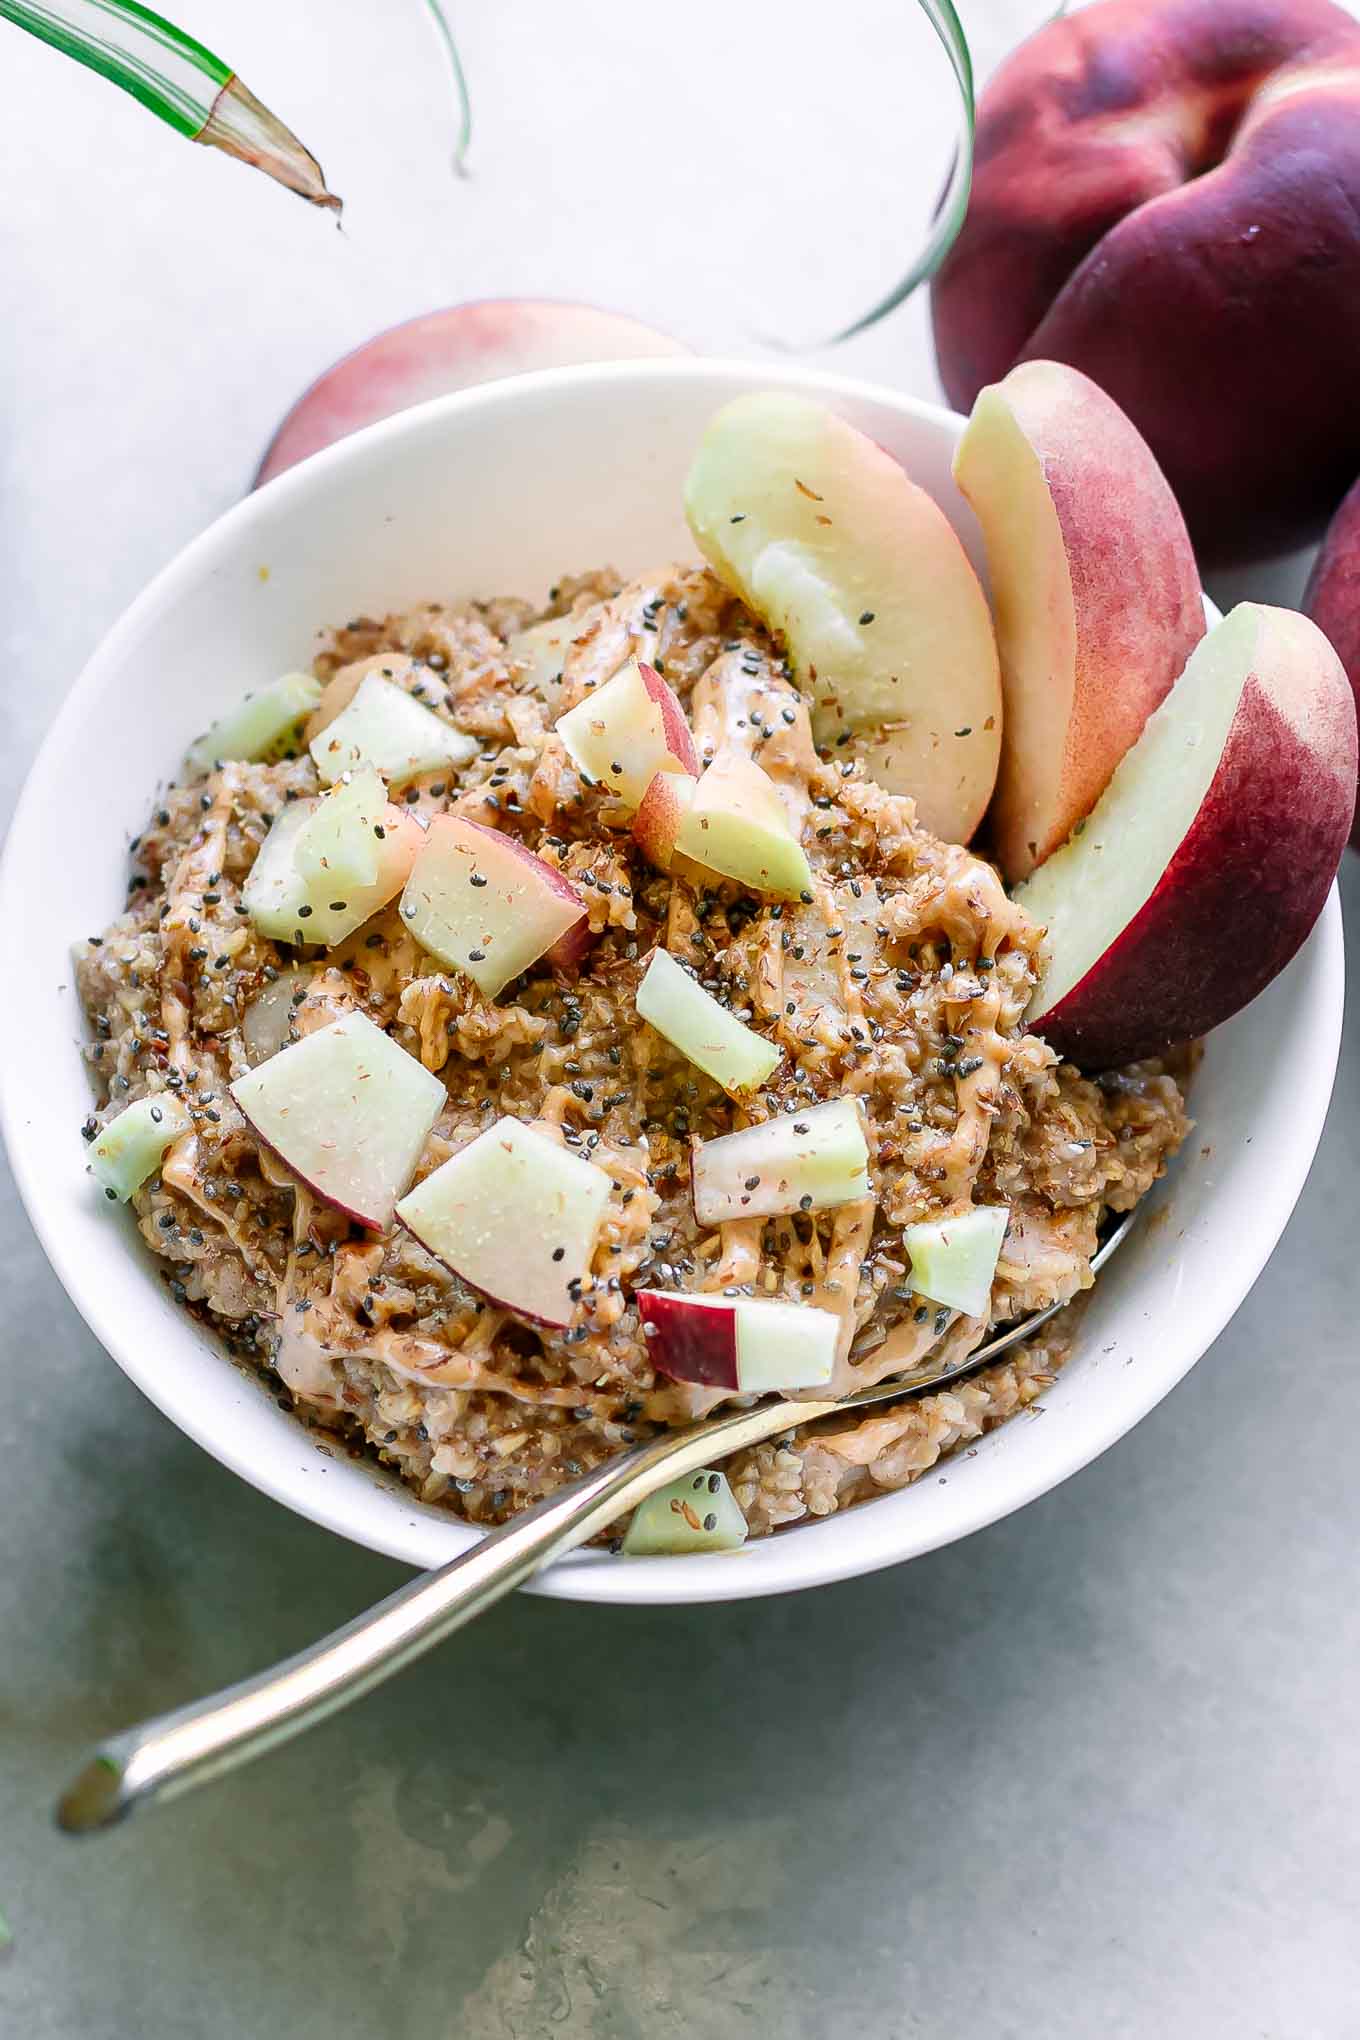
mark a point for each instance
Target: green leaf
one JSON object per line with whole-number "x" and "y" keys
{"x": 176, "y": 78}
{"x": 462, "y": 140}
{"x": 167, "y": 70}
{"x": 954, "y": 204}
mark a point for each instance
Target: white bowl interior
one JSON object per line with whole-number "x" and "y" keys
{"x": 498, "y": 491}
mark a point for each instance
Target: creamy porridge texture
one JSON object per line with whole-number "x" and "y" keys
{"x": 897, "y": 979}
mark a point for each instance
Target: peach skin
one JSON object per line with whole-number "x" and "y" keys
{"x": 1094, "y": 587}
{"x": 1210, "y": 854}
{"x": 1332, "y": 597}
{"x": 1167, "y": 196}
{"x": 450, "y": 350}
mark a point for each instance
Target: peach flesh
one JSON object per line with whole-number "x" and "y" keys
{"x": 862, "y": 575}
{"x": 1096, "y": 594}
{"x": 1210, "y": 855}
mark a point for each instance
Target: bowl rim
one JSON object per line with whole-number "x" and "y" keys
{"x": 804, "y": 1559}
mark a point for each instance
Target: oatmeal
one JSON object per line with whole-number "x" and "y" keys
{"x": 897, "y": 979}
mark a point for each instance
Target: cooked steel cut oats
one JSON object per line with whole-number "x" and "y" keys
{"x": 901, "y": 981}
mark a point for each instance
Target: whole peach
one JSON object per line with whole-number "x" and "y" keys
{"x": 1332, "y": 597}
{"x": 449, "y": 350}
{"x": 1167, "y": 196}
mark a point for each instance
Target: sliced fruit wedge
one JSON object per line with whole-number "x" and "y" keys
{"x": 515, "y": 1216}
{"x": 340, "y": 841}
{"x": 1098, "y": 602}
{"x": 383, "y": 726}
{"x": 750, "y": 1345}
{"x": 267, "y": 1023}
{"x": 1209, "y": 856}
{"x": 346, "y": 681}
{"x": 287, "y": 907}
{"x": 348, "y": 1111}
{"x": 132, "y": 1146}
{"x": 864, "y": 578}
{"x": 692, "y": 1020}
{"x": 620, "y": 734}
{"x": 797, "y": 1161}
{"x": 264, "y": 725}
{"x": 953, "y": 1260}
{"x": 656, "y": 824}
{"x": 540, "y": 652}
{"x": 736, "y": 826}
{"x": 484, "y": 904}
{"x": 698, "y": 1512}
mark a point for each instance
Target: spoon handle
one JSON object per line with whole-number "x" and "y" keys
{"x": 179, "y": 1750}
{"x": 176, "y": 1751}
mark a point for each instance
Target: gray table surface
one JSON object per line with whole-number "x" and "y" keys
{"x": 1092, "y": 1772}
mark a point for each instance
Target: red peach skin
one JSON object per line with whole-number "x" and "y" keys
{"x": 1167, "y": 196}
{"x": 570, "y": 951}
{"x": 1332, "y": 597}
{"x": 1249, "y": 876}
{"x": 679, "y": 736}
{"x": 451, "y": 350}
{"x": 1097, "y": 598}
{"x": 656, "y": 824}
{"x": 691, "y": 1341}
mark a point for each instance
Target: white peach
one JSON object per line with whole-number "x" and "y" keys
{"x": 864, "y": 578}
{"x": 623, "y": 732}
{"x": 1096, "y": 593}
{"x": 663, "y": 807}
{"x": 1209, "y": 856}
{"x": 451, "y": 350}
{"x": 484, "y": 904}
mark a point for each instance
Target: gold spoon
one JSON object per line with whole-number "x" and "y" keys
{"x": 176, "y": 1751}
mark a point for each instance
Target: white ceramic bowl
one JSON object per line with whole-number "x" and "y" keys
{"x": 499, "y": 490}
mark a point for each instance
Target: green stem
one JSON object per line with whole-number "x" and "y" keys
{"x": 954, "y": 204}
{"x": 462, "y": 140}
{"x": 176, "y": 78}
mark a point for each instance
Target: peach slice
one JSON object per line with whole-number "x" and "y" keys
{"x": 383, "y": 726}
{"x": 748, "y": 1345}
{"x": 267, "y": 1024}
{"x": 1208, "y": 858}
{"x": 692, "y": 1020}
{"x": 451, "y": 350}
{"x": 953, "y": 1260}
{"x": 132, "y": 1145}
{"x": 344, "y": 833}
{"x": 345, "y": 683}
{"x": 622, "y": 733}
{"x": 1097, "y": 598}
{"x": 663, "y": 807}
{"x": 736, "y": 826}
{"x": 807, "y": 1160}
{"x": 540, "y": 652}
{"x": 864, "y": 578}
{"x": 485, "y": 905}
{"x": 347, "y": 1110}
{"x": 515, "y": 1216}
{"x": 265, "y": 725}
{"x": 287, "y": 905}
{"x": 698, "y": 1512}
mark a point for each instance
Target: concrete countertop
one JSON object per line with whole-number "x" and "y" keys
{"x": 1092, "y": 1772}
